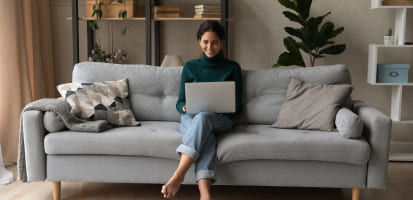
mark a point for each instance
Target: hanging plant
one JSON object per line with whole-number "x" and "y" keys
{"x": 313, "y": 40}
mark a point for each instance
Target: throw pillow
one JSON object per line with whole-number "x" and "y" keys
{"x": 348, "y": 123}
{"x": 100, "y": 101}
{"x": 52, "y": 122}
{"x": 311, "y": 106}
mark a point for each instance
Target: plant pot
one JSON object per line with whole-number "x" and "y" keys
{"x": 112, "y": 10}
{"x": 388, "y": 40}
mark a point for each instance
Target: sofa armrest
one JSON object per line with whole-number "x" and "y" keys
{"x": 35, "y": 157}
{"x": 377, "y": 130}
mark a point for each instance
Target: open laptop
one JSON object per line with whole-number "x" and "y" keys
{"x": 215, "y": 97}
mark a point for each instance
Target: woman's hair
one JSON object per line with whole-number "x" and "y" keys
{"x": 211, "y": 26}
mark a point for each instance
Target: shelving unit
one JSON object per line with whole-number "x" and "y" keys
{"x": 400, "y": 151}
{"x": 149, "y": 21}
{"x": 399, "y": 37}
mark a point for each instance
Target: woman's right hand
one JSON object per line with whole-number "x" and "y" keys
{"x": 184, "y": 108}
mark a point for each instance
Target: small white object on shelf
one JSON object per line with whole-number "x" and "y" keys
{"x": 6, "y": 176}
{"x": 388, "y": 40}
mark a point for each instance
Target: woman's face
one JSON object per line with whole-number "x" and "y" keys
{"x": 210, "y": 44}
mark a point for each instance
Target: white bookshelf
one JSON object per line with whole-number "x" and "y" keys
{"x": 399, "y": 40}
{"x": 399, "y": 151}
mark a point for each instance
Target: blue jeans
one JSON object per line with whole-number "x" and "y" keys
{"x": 200, "y": 131}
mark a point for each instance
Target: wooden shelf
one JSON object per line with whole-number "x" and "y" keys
{"x": 190, "y": 19}
{"x": 377, "y": 4}
{"x": 153, "y": 19}
{"x": 108, "y": 19}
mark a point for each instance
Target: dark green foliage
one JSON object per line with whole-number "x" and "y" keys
{"x": 313, "y": 40}
{"x": 99, "y": 55}
{"x": 390, "y": 32}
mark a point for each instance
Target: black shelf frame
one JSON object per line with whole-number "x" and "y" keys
{"x": 148, "y": 31}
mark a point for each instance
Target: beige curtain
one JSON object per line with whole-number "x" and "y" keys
{"x": 26, "y": 64}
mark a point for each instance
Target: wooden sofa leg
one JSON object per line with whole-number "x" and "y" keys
{"x": 56, "y": 190}
{"x": 356, "y": 194}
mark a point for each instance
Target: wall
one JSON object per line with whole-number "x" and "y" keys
{"x": 255, "y": 39}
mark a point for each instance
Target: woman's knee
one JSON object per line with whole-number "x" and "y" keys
{"x": 204, "y": 116}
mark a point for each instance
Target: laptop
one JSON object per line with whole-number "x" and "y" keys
{"x": 215, "y": 97}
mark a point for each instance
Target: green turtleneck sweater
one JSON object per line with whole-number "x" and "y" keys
{"x": 213, "y": 69}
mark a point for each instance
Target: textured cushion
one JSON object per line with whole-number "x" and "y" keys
{"x": 348, "y": 123}
{"x": 311, "y": 106}
{"x": 259, "y": 142}
{"x": 52, "y": 122}
{"x": 100, "y": 101}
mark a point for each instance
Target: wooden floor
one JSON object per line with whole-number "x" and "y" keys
{"x": 399, "y": 187}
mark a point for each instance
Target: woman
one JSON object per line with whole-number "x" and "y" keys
{"x": 198, "y": 145}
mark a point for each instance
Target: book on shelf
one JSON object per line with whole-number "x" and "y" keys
{"x": 206, "y": 16}
{"x": 166, "y": 15}
{"x": 208, "y": 6}
{"x": 397, "y": 2}
{"x": 166, "y": 9}
{"x": 207, "y": 13}
{"x": 208, "y": 10}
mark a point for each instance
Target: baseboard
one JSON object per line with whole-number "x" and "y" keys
{"x": 401, "y": 151}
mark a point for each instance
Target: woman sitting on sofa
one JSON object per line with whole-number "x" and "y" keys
{"x": 200, "y": 130}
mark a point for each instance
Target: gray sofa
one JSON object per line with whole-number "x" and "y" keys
{"x": 252, "y": 154}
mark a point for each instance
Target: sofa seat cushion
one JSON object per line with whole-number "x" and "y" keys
{"x": 155, "y": 139}
{"x": 245, "y": 142}
{"x": 249, "y": 142}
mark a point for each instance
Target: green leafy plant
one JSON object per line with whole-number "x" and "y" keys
{"x": 313, "y": 39}
{"x": 97, "y": 13}
{"x": 98, "y": 54}
{"x": 389, "y": 32}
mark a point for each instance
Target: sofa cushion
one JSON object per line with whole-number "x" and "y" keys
{"x": 311, "y": 106}
{"x": 106, "y": 100}
{"x": 252, "y": 142}
{"x": 156, "y": 139}
{"x": 264, "y": 90}
{"x": 52, "y": 122}
{"x": 245, "y": 142}
{"x": 348, "y": 124}
{"x": 154, "y": 90}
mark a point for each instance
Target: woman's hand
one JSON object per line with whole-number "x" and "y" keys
{"x": 184, "y": 108}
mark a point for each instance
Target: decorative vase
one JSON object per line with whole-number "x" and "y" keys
{"x": 388, "y": 40}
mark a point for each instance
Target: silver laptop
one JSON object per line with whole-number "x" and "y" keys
{"x": 215, "y": 97}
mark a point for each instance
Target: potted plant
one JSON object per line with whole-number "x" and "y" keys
{"x": 389, "y": 39}
{"x": 98, "y": 54}
{"x": 313, "y": 39}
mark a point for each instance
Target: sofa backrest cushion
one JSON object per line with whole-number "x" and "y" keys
{"x": 265, "y": 90}
{"x": 154, "y": 90}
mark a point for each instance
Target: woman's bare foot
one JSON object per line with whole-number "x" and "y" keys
{"x": 171, "y": 188}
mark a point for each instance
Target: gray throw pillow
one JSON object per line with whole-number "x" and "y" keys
{"x": 311, "y": 106}
{"x": 100, "y": 101}
{"x": 52, "y": 122}
{"x": 348, "y": 123}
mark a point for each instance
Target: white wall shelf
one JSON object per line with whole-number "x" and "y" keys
{"x": 399, "y": 37}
